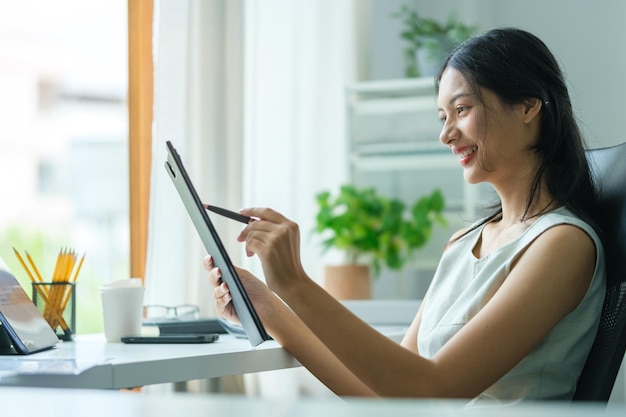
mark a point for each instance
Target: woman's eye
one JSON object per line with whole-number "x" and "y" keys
{"x": 459, "y": 110}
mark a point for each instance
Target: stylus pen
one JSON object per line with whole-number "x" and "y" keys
{"x": 230, "y": 214}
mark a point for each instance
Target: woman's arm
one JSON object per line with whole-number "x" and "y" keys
{"x": 548, "y": 282}
{"x": 293, "y": 335}
{"x": 409, "y": 341}
{"x": 289, "y": 331}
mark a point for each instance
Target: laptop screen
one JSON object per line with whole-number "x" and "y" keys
{"x": 26, "y": 328}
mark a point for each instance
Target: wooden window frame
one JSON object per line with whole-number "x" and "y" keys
{"x": 140, "y": 113}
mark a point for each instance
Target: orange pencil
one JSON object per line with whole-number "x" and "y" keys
{"x": 80, "y": 264}
{"x": 52, "y": 293}
{"x": 38, "y": 288}
{"x": 19, "y": 258}
{"x": 30, "y": 260}
{"x": 68, "y": 294}
{"x": 57, "y": 292}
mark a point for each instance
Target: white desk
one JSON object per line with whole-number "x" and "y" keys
{"x": 91, "y": 362}
{"x": 65, "y": 403}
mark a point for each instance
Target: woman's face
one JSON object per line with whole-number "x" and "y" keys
{"x": 492, "y": 139}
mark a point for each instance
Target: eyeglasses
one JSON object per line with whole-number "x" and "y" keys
{"x": 183, "y": 311}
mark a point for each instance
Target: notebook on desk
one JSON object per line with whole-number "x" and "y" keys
{"x": 207, "y": 325}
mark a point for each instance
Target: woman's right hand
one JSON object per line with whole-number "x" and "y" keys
{"x": 259, "y": 293}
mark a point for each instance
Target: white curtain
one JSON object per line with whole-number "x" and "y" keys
{"x": 198, "y": 106}
{"x": 299, "y": 56}
{"x": 251, "y": 95}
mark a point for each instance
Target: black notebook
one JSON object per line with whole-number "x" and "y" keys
{"x": 207, "y": 325}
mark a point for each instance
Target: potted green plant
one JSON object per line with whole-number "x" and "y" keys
{"x": 374, "y": 231}
{"x": 429, "y": 41}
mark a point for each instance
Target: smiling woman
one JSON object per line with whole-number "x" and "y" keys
{"x": 474, "y": 335}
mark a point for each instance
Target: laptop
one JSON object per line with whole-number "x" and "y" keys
{"x": 23, "y": 330}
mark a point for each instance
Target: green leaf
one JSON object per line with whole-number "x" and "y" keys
{"x": 416, "y": 31}
{"x": 363, "y": 223}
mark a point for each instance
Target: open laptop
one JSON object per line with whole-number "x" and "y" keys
{"x": 23, "y": 329}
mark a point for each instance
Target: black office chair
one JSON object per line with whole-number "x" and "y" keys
{"x": 600, "y": 371}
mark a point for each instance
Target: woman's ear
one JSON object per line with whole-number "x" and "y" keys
{"x": 532, "y": 107}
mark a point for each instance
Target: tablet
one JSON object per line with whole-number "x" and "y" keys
{"x": 241, "y": 302}
{"x": 24, "y": 328}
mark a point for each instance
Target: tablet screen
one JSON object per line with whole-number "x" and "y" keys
{"x": 241, "y": 302}
{"x": 24, "y": 325}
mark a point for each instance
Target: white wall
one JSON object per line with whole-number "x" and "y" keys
{"x": 587, "y": 38}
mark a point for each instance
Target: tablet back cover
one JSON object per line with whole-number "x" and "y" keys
{"x": 243, "y": 306}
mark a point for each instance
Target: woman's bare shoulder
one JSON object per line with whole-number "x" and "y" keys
{"x": 456, "y": 235}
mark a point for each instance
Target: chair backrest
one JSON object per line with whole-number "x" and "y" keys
{"x": 598, "y": 376}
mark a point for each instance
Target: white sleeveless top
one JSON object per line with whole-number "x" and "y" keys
{"x": 463, "y": 284}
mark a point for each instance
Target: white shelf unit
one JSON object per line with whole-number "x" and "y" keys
{"x": 393, "y": 145}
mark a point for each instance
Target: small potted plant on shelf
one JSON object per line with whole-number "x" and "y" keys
{"x": 372, "y": 231}
{"x": 429, "y": 41}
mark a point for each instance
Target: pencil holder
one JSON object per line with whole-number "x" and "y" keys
{"x": 57, "y": 303}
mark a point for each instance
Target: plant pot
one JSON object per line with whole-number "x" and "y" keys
{"x": 348, "y": 282}
{"x": 430, "y": 59}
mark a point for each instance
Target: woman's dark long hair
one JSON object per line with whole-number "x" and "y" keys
{"x": 516, "y": 65}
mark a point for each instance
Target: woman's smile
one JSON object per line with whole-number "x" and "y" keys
{"x": 466, "y": 153}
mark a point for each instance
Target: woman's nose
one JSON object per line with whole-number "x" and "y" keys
{"x": 448, "y": 133}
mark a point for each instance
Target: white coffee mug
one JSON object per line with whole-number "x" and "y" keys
{"x": 122, "y": 309}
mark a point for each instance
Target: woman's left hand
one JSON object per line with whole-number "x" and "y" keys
{"x": 276, "y": 240}
{"x": 261, "y": 297}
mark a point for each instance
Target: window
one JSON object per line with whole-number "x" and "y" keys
{"x": 64, "y": 140}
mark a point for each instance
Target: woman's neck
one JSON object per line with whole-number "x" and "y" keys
{"x": 515, "y": 208}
